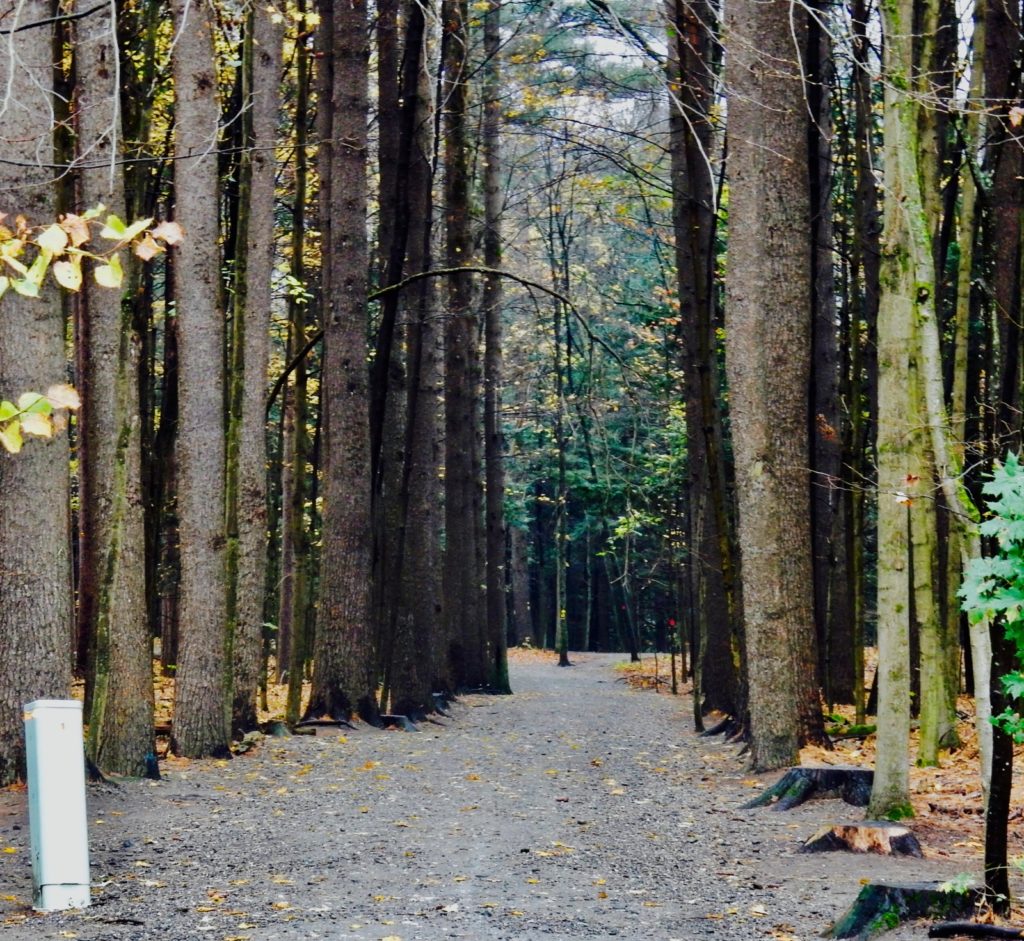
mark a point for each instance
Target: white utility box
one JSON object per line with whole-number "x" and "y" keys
{"x": 56, "y": 804}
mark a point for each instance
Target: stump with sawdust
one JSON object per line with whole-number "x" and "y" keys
{"x": 871, "y": 836}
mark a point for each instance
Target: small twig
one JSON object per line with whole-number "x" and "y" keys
{"x": 63, "y": 18}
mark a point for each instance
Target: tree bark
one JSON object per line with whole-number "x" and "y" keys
{"x": 768, "y": 359}
{"x": 690, "y": 76}
{"x": 462, "y": 575}
{"x": 111, "y": 517}
{"x": 494, "y": 440}
{"x": 202, "y": 705}
{"x": 35, "y": 570}
{"x": 343, "y": 670}
{"x": 247, "y": 457}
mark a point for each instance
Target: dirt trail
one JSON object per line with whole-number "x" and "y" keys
{"x": 576, "y": 808}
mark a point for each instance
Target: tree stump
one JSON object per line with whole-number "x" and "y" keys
{"x": 881, "y": 907}
{"x": 871, "y": 836}
{"x": 797, "y": 785}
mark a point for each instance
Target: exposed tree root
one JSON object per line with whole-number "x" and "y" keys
{"x": 798, "y": 785}
{"x": 399, "y": 722}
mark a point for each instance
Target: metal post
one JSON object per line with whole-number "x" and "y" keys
{"x": 56, "y": 804}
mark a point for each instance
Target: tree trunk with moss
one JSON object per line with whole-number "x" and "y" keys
{"x": 905, "y": 468}
{"x": 110, "y": 468}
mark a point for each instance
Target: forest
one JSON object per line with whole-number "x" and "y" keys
{"x": 348, "y": 344}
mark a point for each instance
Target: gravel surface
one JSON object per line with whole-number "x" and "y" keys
{"x": 577, "y": 808}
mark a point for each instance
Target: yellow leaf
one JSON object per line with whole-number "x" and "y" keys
{"x": 53, "y": 240}
{"x": 64, "y": 396}
{"x": 602, "y": 894}
{"x": 282, "y": 880}
{"x": 169, "y": 232}
{"x": 146, "y": 248}
{"x": 68, "y": 273}
{"x": 10, "y": 438}
{"x": 10, "y": 849}
{"x": 109, "y": 275}
{"x": 36, "y": 424}
{"x": 281, "y": 906}
{"x": 77, "y": 228}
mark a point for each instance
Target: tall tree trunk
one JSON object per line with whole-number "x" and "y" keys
{"x": 110, "y": 509}
{"x": 768, "y": 359}
{"x": 343, "y": 672}
{"x": 35, "y": 572}
{"x": 832, "y": 601}
{"x": 202, "y": 687}
{"x": 247, "y": 449}
{"x": 494, "y": 453}
{"x": 294, "y": 601}
{"x": 462, "y": 576}
{"x": 421, "y": 659}
{"x": 690, "y": 77}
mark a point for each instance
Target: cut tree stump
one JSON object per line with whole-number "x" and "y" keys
{"x": 972, "y": 929}
{"x": 871, "y": 836}
{"x": 881, "y": 907}
{"x": 797, "y": 785}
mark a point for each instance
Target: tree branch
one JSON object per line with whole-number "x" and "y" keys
{"x": 440, "y": 273}
{"x": 63, "y": 18}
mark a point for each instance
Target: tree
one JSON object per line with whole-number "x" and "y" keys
{"x": 768, "y": 299}
{"x": 35, "y": 562}
{"x": 202, "y": 703}
{"x": 463, "y": 574}
{"x": 712, "y": 566}
{"x": 494, "y": 446}
{"x": 111, "y": 588}
{"x": 246, "y": 446}
{"x": 343, "y": 668}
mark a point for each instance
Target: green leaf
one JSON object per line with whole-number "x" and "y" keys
{"x": 25, "y": 287}
{"x": 114, "y": 229}
{"x": 29, "y": 402}
{"x": 136, "y": 228}
{"x": 5, "y": 283}
{"x": 37, "y": 273}
{"x": 7, "y": 410}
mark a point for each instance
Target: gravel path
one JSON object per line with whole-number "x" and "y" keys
{"x": 577, "y": 808}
